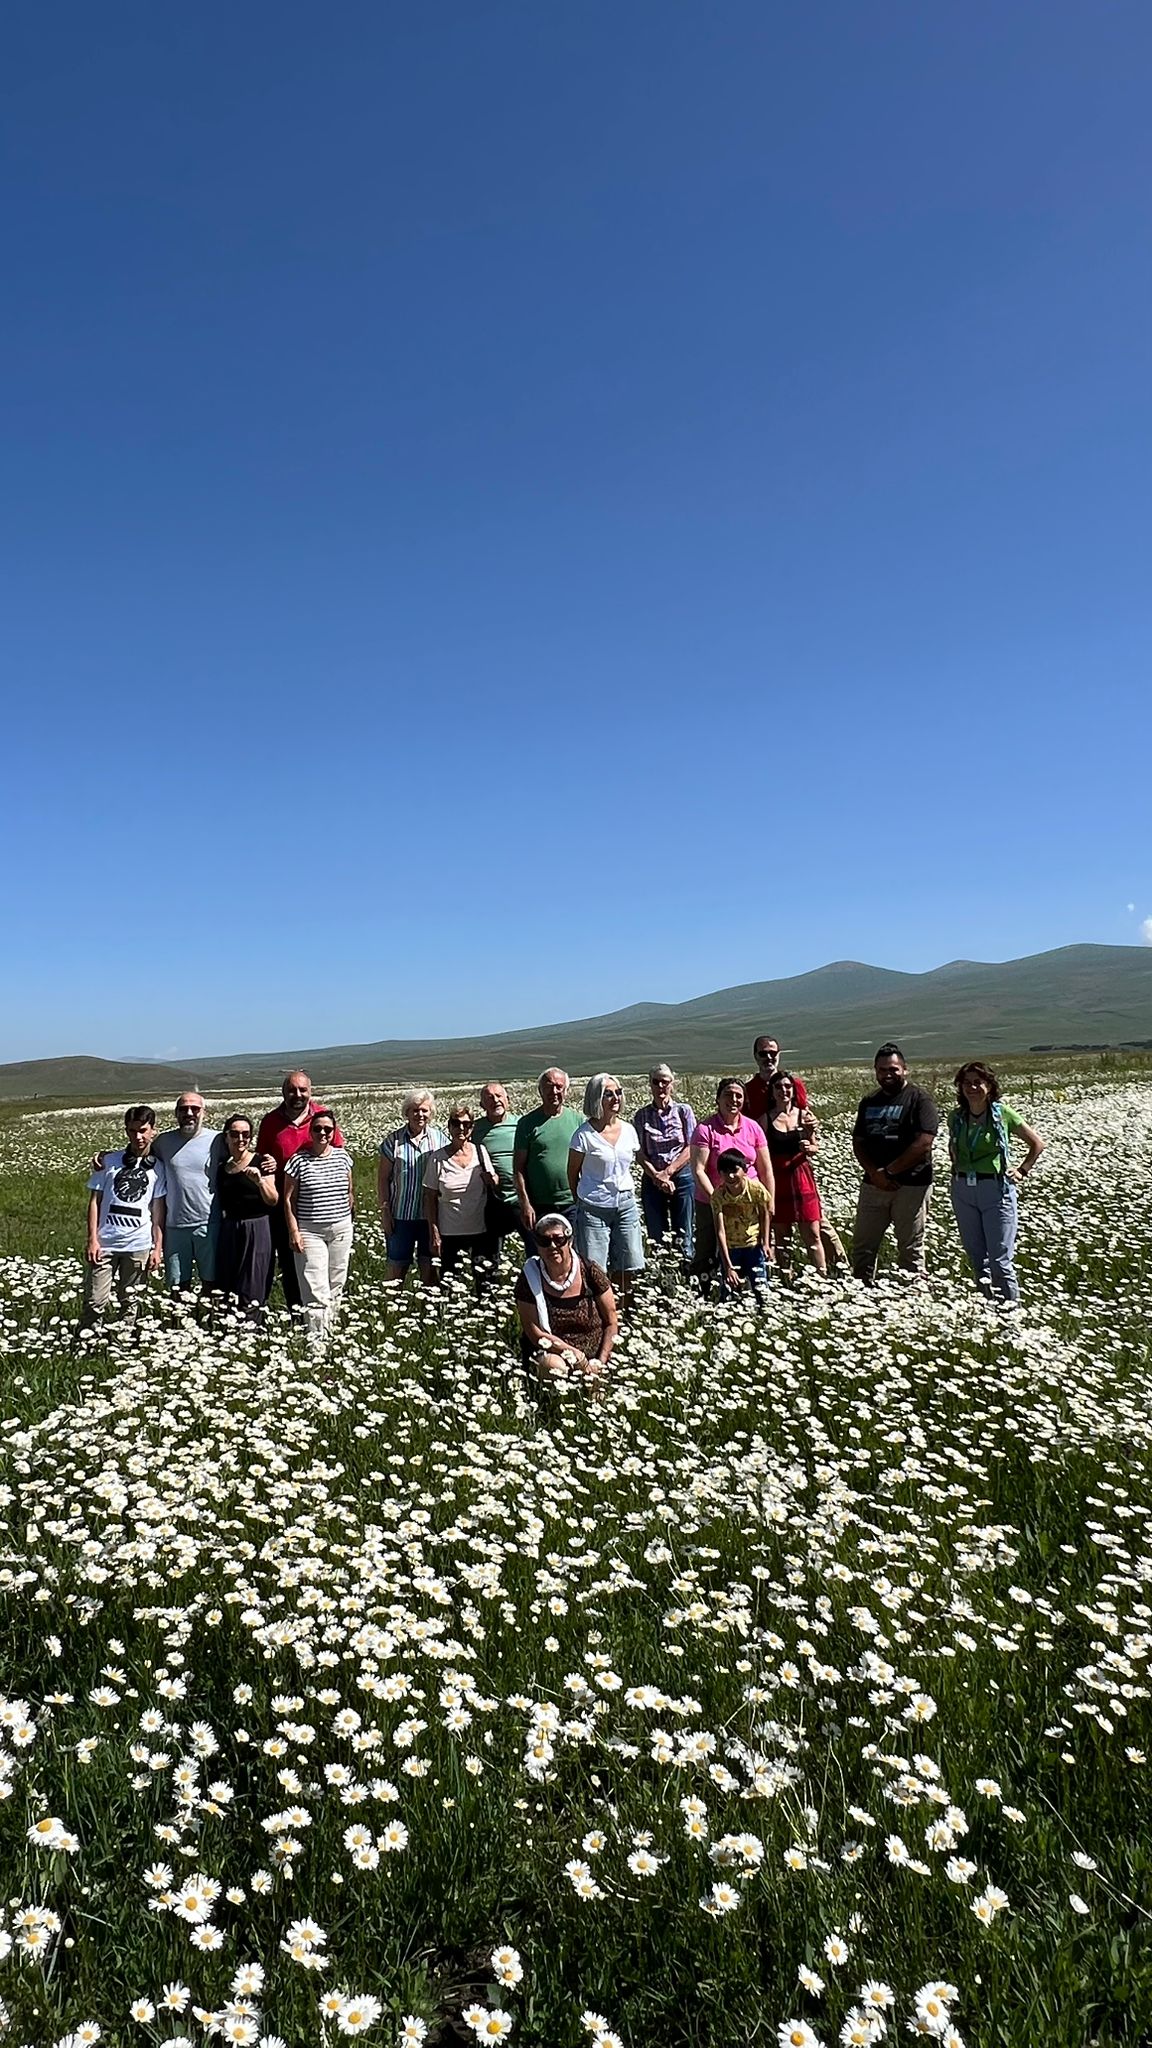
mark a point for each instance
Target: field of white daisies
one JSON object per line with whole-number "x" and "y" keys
{"x": 795, "y": 1691}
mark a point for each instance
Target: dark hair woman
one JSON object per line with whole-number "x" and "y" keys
{"x": 984, "y": 1181}
{"x": 793, "y": 1145}
{"x": 247, "y": 1193}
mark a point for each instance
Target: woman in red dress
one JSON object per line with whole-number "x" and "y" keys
{"x": 792, "y": 1145}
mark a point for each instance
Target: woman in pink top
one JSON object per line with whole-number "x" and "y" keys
{"x": 728, "y": 1130}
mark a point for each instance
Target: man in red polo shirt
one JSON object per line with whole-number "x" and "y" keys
{"x": 283, "y": 1133}
{"x": 766, "y": 1053}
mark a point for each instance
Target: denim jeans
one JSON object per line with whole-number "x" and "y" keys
{"x": 750, "y": 1264}
{"x": 611, "y": 1237}
{"x": 185, "y": 1249}
{"x": 986, "y": 1217}
{"x": 677, "y": 1208}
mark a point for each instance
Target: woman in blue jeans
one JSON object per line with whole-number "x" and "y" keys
{"x": 984, "y": 1180}
{"x": 600, "y": 1161}
{"x": 668, "y": 1187}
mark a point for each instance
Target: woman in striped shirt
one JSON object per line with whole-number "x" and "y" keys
{"x": 318, "y": 1200}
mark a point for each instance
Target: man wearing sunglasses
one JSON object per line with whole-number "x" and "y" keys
{"x": 283, "y": 1133}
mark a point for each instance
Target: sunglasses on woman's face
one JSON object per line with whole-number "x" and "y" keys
{"x": 459, "y": 1123}
{"x": 323, "y": 1130}
{"x": 554, "y": 1244}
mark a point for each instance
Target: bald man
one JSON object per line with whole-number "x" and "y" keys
{"x": 190, "y": 1156}
{"x": 283, "y": 1133}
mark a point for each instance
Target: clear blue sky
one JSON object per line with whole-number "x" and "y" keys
{"x": 511, "y": 510}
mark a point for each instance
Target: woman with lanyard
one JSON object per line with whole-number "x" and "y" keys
{"x": 566, "y": 1306}
{"x": 319, "y": 1204}
{"x": 984, "y": 1181}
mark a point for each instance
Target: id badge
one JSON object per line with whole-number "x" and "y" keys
{"x": 970, "y": 1178}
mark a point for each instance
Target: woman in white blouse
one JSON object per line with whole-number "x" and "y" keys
{"x": 600, "y": 1176}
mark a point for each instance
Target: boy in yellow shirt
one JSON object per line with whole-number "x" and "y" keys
{"x": 743, "y": 1212}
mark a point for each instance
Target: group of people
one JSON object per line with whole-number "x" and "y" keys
{"x": 230, "y": 1208}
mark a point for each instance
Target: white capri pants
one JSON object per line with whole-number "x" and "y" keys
{"x": 322, "y": 1269}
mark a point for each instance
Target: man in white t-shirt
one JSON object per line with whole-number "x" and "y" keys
{"x": 126, "y": 1204}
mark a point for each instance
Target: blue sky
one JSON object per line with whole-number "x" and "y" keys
{"x": 514, "y": 510}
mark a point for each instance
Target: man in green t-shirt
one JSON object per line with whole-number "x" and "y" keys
{"x": 540, "y": 1154}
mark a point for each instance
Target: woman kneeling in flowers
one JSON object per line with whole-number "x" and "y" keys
{"x": 566, "y": 1306}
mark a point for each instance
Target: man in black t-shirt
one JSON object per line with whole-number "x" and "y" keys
{"x": 892, "y": 1139}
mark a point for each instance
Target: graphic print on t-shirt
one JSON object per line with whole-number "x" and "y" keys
{"x": 129, "y": 1185}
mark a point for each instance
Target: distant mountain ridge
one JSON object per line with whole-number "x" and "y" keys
{"x": 1075, "y": 995}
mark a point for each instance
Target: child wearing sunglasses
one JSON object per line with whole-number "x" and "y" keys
{"x": 742, "y": 1210}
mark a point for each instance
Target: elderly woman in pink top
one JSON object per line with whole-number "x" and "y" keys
{"x": 727, "y": 1130}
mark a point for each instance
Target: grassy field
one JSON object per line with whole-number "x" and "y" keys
{"x": 793, "y": 1692}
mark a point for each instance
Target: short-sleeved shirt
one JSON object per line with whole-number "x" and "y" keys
{"x": 280, "y": 1137}
{"x": 976, "y": 1141}
{"x": 756, "y": 1097}
{"x": 742, "y": 1209}
{"x": 324, "y": 1187}
{"x": 499, "y": 1140}
{"x": 576, "y": 1320}
{"x": 190, "y": 1169}
{"x": 407, "y": 1156}
{"x": 461, "y": 1191}
{"x": 886, "y": 1125}
{"x": 127, "y": 1187}
{"x": 663, "y": 1133}
{"x": 712, "y": 1137}
{"x": 546, "y": 1141}
{"x": 606, "y": 1174}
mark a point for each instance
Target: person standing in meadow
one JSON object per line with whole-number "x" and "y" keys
{"x": 892, "y": 1139}
{"x": 793, "y": 1143}
{"x": 726, "y": 1130}
{"x": 284, "y": 1132}
{"x": 191, "y": 1156}
{"x": 758, "y": 1103}
{"x": 540, "y": 1159}
{"x": 600, "y": 1160}
{"x": 319, "y": 1206}
{"x": 984, "y": 1180}
{"x": 125, "y": 1238}
{"x": 458, "y": 1179}
{"x": 400, "y": 1186}
{"x": 667, "y": 1190}
{"x": 496, "y": 1131}
{"x": 742, "y": 1217}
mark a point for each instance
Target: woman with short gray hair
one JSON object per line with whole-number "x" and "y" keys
{"x": 600, "y": 1176}
{"x": 664, "y": 1128}
{"x": 400, "y": 1185}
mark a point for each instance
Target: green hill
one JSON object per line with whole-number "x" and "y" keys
{"x": 1077, "y": 995}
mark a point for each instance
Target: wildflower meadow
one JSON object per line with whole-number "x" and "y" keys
{"x": 792, "y": 1690}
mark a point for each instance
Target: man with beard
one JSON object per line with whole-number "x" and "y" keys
{"x": 892, "y": 1139}
{"x": 125, "y": 1239}
{"x": 191, "y": 1156}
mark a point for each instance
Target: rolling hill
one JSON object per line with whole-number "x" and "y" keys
{"x": 1076, "y": 995}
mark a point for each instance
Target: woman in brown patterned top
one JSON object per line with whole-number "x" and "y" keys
{"x": 566, "y": 1306}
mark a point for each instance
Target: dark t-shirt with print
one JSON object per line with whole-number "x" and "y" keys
{"x": 886, "y": 1125}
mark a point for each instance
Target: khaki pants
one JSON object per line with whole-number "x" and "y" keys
{"x": 129, "y": 1270}
{"x": 906, "y": 1209}
{"x": 322, "y": 1269}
